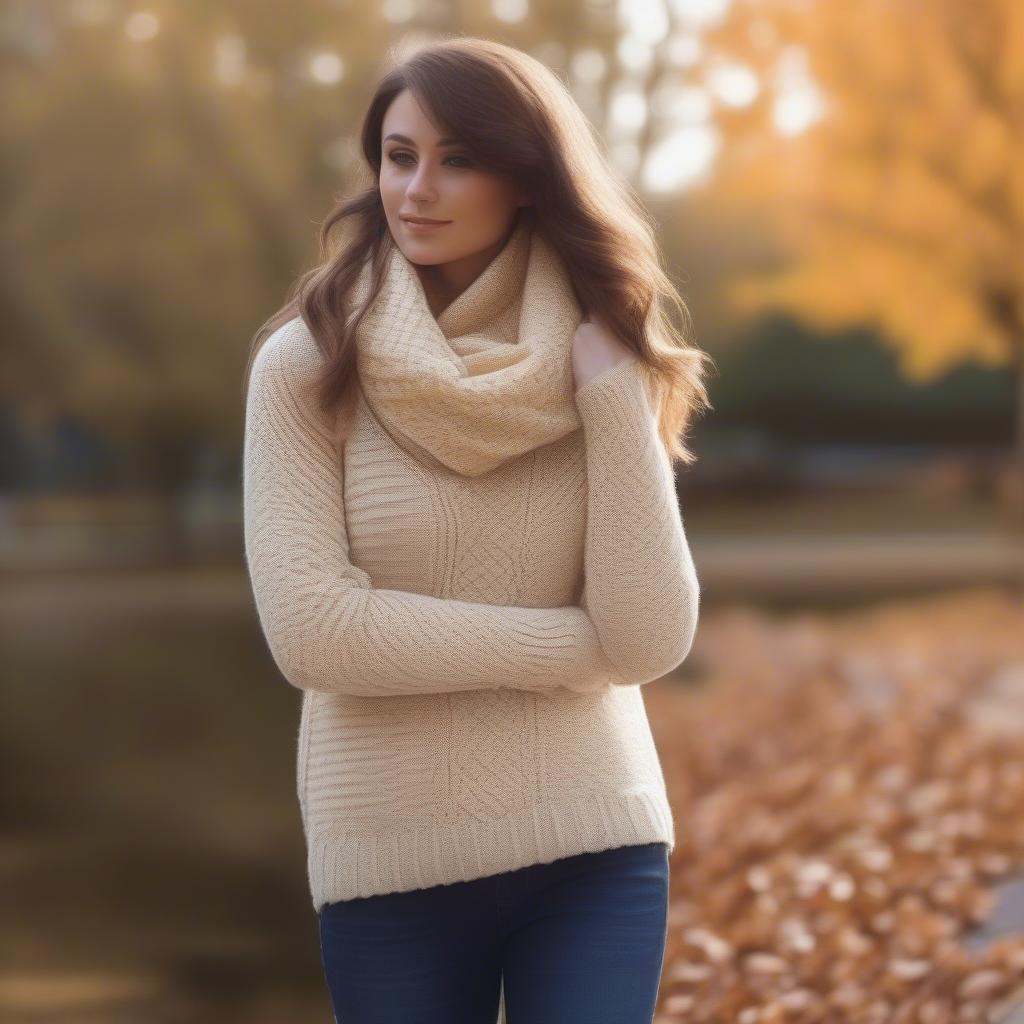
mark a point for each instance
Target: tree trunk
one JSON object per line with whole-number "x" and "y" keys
{"x": 1018, "y": 411}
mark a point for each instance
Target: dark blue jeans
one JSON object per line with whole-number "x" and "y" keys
{"x": 579, "y": 939}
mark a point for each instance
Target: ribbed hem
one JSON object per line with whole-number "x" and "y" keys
{"x": 344, "y": 865}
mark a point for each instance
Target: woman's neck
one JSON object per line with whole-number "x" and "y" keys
{"x": 444, "y": 283}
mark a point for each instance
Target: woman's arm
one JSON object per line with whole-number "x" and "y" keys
{"x": 640, "y": 583}
{"x": 327, "y": 627}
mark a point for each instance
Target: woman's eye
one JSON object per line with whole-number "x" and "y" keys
{"x": 395, "y": 158}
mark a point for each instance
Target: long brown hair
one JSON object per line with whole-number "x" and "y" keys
{"x": 516, "y": 118}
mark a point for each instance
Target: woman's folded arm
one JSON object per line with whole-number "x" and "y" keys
{"x": 327, "y": 627}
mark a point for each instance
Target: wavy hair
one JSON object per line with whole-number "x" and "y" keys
{"x": 518, "y": 119}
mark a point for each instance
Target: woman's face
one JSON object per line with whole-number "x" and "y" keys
{"x": 422, "y": 176}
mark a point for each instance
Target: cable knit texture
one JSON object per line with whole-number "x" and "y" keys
{"x": 469, "y": 590}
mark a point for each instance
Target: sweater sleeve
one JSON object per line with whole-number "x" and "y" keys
{"x": 640, "y": 584}
{"x": 328, "y": 628}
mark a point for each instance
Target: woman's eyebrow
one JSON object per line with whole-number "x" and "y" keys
{"x": 409, "y": 142}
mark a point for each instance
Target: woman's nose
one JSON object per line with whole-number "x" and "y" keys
{"x": 420, "y": 188}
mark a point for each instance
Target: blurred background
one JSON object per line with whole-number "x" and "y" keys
{"x": 839, "y": 189}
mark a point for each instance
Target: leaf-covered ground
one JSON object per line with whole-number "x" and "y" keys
{"x": 848, "y": 793}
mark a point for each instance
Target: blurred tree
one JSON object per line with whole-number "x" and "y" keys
{"x": 164, "y": 172}
{"x": 885, "y": 147}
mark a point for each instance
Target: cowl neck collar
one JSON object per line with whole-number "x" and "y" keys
{"x": 490, "y": 378}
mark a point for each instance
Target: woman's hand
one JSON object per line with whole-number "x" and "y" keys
{"x": 594, "y": 350}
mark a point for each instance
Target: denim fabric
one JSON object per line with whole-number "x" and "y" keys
{"x": 579, "y": 939}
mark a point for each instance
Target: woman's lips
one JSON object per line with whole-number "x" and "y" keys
{"x": 423, "y": 229}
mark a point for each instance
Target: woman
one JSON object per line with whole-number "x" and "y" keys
{"x": 466, "y": 550}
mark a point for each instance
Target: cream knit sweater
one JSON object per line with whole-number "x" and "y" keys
{"x": 468, "y": 598}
